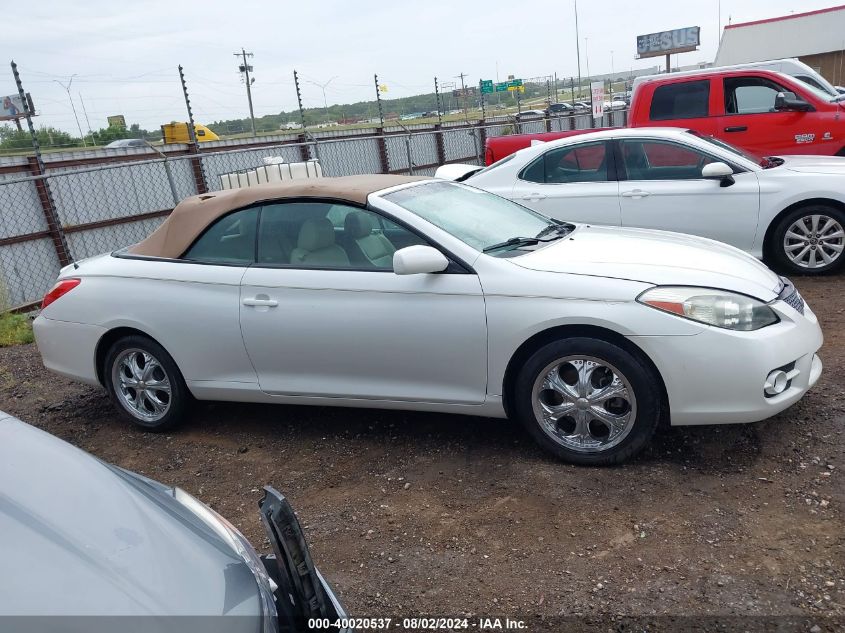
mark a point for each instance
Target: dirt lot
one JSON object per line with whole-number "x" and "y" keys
{"x": 412, "y": 514}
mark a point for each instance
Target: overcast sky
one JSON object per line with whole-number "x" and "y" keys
{"x": 125, "y": 53}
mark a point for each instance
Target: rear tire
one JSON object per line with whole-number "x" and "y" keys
{"x": 145, "y": 384}
{"x": 588, "y": 401}
{"x": 810, "y": 240}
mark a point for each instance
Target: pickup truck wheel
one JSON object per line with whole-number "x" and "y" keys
{"x": 810, "y": 240}
{"x": 587, "y": 401}
{"x": 144, "y": 383}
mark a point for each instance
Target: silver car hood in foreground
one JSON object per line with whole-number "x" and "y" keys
{"x": 80, "y": 537}
{"x": 657, "y": 257}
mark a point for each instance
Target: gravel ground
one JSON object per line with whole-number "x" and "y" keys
{"x": 411, "y": 513}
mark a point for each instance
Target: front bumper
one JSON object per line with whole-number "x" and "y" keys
{"x": 717, "y": 376}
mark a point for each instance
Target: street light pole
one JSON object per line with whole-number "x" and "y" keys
{"x": 73, "y": 107}
{"x": 578, "y": 47}
{"x": 323, "y": 88}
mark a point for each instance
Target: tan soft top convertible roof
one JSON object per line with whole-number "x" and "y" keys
{"x": 191, "y": 216}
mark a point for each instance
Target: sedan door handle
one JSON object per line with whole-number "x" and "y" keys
{"x": 255, "y": 301}
{"x": 736, "y": 128}
{"x": 635, "y": 193}
{"x": 534, "y": 196}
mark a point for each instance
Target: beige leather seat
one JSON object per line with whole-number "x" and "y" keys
{"x": 366, "y": 247}
{"x": 316, "y": 246}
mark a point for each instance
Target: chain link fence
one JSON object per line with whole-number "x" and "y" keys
{"x": 76, "y": 210}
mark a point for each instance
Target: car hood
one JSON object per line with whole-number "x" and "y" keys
{"x": 815, "y": 164}
{"x": 81, "y": 537}
{"x": 656, "y": 257}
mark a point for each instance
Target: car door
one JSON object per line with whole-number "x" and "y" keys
{"x": 324, "y": 315}
{"x": 575, "y": 183}
{"x": 750, "y": 120}
{"x": 661, "y": 187}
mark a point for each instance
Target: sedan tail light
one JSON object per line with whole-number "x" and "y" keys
{"x": 62, "y": 287}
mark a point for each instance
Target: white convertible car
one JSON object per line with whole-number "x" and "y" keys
{"x": 410, "y": 293}
{"x": 789, "y": 210}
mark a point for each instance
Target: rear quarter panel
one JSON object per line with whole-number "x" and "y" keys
{"x": 192, "y": 310}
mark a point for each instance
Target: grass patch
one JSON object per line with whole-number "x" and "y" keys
{"x": 15, "y": 329}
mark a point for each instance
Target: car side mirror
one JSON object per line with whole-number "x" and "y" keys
{"x": 417, "y": 259}
{"x": 719, "y": 171}
{"x": 788, "y": 101}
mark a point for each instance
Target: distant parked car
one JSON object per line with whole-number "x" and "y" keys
{"x": 126, "y": 142}
{"x": 412, "y": 293}
{"x": 560, "y": 109}
{"x": 529, "y": 114}
{"x": 82, "y": 537}
{"x": 614, "y": 105}
{"x": 582, "y": 106}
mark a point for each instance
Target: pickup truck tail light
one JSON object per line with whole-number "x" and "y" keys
{"x": 62, "y": 287}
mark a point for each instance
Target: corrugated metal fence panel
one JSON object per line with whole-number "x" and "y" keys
{"x": 461, "y": 145}
{"x": 20, "y": 208}
{"x": 27, "y": 270}
{"x": 348, "y": 157}
{"x": 110, "y": 238}
{"x": 116, "y": 192}
{"x": 424, "y": 148}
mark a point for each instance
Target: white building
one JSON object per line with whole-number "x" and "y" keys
{"x": 817, "y": 38}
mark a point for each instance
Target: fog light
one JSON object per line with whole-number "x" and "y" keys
{"x": 776, "y": 382}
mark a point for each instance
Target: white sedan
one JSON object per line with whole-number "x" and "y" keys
{"x": 788, "y": 210}
{"x": 409, "y": 293}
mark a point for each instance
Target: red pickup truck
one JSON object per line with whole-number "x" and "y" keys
{"x": 764, "y": 112}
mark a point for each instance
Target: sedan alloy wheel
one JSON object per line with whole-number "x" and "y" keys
{"x": 814, "y": 241}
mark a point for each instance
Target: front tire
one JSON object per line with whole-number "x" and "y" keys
{"x": 810, "y": 240}
{"x": 588, "y": 401}
{"x": 145, "y": 384}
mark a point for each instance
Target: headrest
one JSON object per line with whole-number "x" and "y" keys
{"x": 358, "y": 224}
{"x": 316, "y": 234}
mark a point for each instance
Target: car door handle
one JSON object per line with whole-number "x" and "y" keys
{"x": 736, "y": 128}
{"x": 635, "y": 193}
{"x": 534, "y": 196}
{"x": 255, "y": 301}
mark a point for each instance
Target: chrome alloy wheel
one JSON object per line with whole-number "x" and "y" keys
{"x": 814, "y": 241}
{"x": 584, "y": 404}
{"x": 141, "y": 384}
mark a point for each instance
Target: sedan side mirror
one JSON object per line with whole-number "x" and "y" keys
{"x": 785, "y": 101}
{"x": 414, "y": 260}
{"x": 719, "y": 171}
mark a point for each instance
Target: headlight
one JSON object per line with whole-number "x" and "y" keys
{"x": 723, "y": 309}
{"x": 242, "y": 547}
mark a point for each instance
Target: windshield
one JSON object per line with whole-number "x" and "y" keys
{"x": 475, "y": 217}
{"x": 757, "y": 160}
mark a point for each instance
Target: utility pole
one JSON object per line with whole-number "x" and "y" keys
{"x": 578, "y": 47}
{"x": 439, "y": 104}
{"x": 245, "y": 69}
{"x": 73, "y": 107}
{"x": 299, "y": 98}
{"x": 481, "y": 98}
{"x": 378, "y": 99}
{"x": 464, "y": 95}
{"x": 192, "y": 133}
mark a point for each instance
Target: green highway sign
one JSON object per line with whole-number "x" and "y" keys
{"x": 516, "y": 83}
{"x": 486, "y": 85}
{"x": 502, "y": 87}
